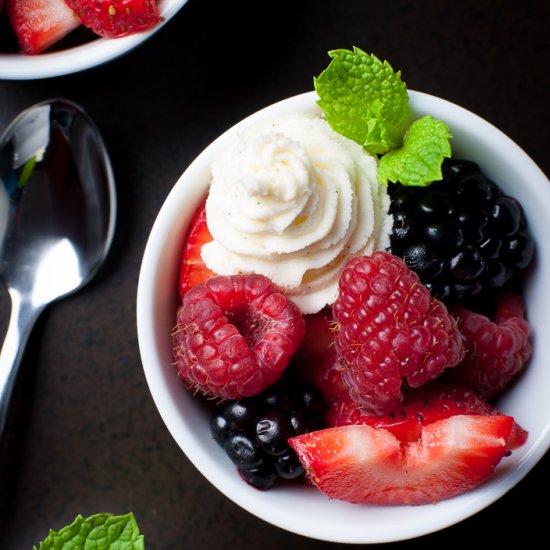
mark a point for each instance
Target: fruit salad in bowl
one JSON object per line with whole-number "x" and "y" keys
{"x": 46, "y": 38}
{"x": 340, "y": 306}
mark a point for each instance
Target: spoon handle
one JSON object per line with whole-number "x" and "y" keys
{"x": 22, "y": 319}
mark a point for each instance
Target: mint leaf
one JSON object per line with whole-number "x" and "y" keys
{"x": 418, "y": 162}
{"x": 97, "y": 532}
{"x": 364, "y": 99}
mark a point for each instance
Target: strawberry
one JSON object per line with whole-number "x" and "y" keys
{"x": 361, "y": 464}
{"x": 318, "y": 340}
{"x": 423, "y": 406}
{"x": 192, "y": 269}
{"x": 316, "y": 359}
{"x": 38, "y": 24}
{"x": 116, "y": 18}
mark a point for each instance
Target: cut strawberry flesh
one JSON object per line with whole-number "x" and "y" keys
{"x": 361, "y": 464}
{"x": 38, "y": 24}
{"x": 423, "y": 406}
{"x": 193, "y": 270}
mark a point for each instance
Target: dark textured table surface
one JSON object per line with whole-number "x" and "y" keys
{"x": 85, "y": 435}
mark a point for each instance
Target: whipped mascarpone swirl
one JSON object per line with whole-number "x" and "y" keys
{"x": 294, "y": 200}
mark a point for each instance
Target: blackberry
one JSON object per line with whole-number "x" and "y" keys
{"x": 462, "y": 235}
{"x": 254, "y": 431}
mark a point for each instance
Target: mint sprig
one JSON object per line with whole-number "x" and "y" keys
{"x": 419, "y": 161}
{"x": 363, "y": 99}
{"x": 98, "y": 532}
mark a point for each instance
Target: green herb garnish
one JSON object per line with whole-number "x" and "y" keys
{"x": 365, "y": 100}
{"x": 419, "y": 161}
{"x": 97, "y": 532}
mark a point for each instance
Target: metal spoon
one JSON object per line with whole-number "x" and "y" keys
{"x": 57, "y": 218}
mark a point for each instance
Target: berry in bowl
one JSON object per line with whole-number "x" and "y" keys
{"x": 340, "y": 305}
{"x": 46, "y": 38}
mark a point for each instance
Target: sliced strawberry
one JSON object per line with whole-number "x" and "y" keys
{"x": 319, "y": 337}
{"x": 361, "y": 464}
{"x": 38, "y": 24}
{"x": 423, "y": 406}
{"x": 116, "y": 18}
{"x": 316, "y": 358}
{"x": 327, "y": 376}
{"x": 192, "y": 269}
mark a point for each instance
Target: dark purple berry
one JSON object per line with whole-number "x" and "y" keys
{"x": 422, "y": 259}
{"x": 273, "y": 432}
{"x": 466, "y": 289}
{"x": 506, "y": 216}
{"x": 219, "y": 427}
{"x": 520, "y": 249}
{"x": 447, "y": 236}
{"x": 240, "y": 414}
{"x": 243, "y": 451}
{"x": 435, "y": 206}
{"x": 288, "y": 466}
{"x": 459, "y": 169}
{"x": 496, "y": 274}
{"x": 254, "y": 431}
{"x": 490, "y": 248}
{"x": 403, "y": 226}
{"x": 475, "y": 189}
{"x": 261, "y": 477}
{"x": 467, "y": 265}
{"x": 462, "y": 235}
{"x": 312, "y": 400}
{"x": 303, "y": 421}
{"x": 473, "y": 222}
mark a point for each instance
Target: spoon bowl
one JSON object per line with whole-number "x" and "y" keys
{"x": 57, "y": 218}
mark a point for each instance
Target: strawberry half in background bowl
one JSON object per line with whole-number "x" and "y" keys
{"x": 48, "y": 38}
{"x": 363, "y": 486}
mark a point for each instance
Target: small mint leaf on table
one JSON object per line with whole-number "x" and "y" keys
{"x": 97, "y": 532}
{"x": 419, "y": 161}
{"x": 364, "y": 100}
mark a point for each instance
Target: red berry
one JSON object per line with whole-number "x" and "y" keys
{"x": 495, "y": 351}
{"x": 38, "y": 24}
{"x": 193, "y": 270}
{"x": 422, "y": 406}
{"x": 116, "y": 18}
{"x": 390, "y": 329}
{"x": 318, "y": 339}
{"x": 316, "y": 359}
{"x": 235, "y": 335}
{"x": 362, "y": 464}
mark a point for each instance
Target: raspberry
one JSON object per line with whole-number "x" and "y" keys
{"x": 495, "y": 351}
{"x": 390, "y": 330}
{"x": 235, "y": 335}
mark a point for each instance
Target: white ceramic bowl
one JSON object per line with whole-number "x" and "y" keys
{"x": 14, "y": 66}
{"x": 302, "y": 509}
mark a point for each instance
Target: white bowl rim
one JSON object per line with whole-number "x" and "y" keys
{"x": 414, "y": 522}
{"x": 15, "y": 66}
